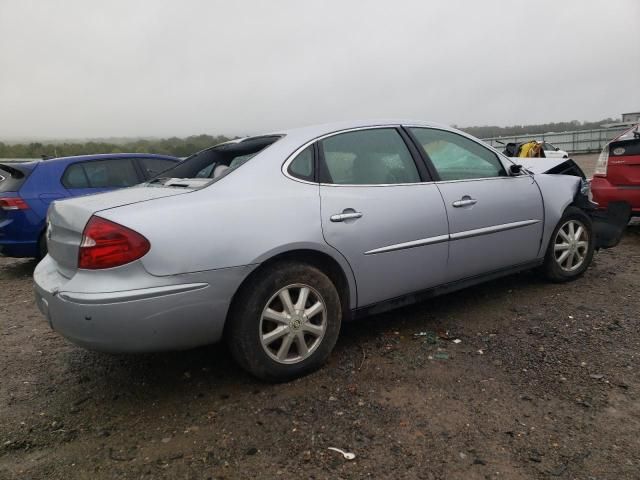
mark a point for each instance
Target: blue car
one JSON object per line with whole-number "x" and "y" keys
{"x": 27, "y": 189}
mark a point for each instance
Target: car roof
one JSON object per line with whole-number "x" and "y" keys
{"x": 104, "y": 156}
{"x": 314, "y": 131}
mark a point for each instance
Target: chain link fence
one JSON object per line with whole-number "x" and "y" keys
{"x": 579, "y": 141}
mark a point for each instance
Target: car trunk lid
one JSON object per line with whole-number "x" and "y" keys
{"x": 66, "y": 219}
{"x": 623, "y": 168}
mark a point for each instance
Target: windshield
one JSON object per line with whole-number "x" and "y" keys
{"x": 218, "y": 161}
{"x": 631, "y": 134}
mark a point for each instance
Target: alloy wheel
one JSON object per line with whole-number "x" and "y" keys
{"x": 293, "y": 323}
{"x": 571, "y": 245}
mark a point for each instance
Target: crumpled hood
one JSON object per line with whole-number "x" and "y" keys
{"x": 538, "y": 165}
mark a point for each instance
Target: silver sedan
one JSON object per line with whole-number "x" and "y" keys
{"x": 270, "y": 242}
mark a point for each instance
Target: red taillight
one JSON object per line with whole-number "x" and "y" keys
{"x": 603, "y": 162}
{"x": 13, "y": 203}
{"x": 107, "y": 244}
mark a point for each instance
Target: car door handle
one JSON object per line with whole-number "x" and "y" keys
{"x": 341, "y": 217}
{"x": 464, "y": 202}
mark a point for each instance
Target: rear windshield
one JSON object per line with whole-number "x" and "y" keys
{"x": 12, "y": 177}
{"x": 218, "y": 161}
{"x": 631, "y": 134}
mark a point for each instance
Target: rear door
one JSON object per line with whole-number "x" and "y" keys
{"x": 495, "y": 220}
{"x": 380, "y": 211}
{"x": 95, "y": 176}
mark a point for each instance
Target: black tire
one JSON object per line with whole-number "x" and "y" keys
{"x": 246, "y": 328}
{"x": 42, "y": 247}
{"x": 551, "y": 267}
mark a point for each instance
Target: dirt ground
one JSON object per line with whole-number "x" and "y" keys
{"x": 545, "y": 383}
{"x": 587, "y": 162}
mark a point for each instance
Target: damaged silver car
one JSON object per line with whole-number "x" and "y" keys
{"x": 270, "y": 242}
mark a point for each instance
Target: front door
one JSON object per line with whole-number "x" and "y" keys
{"x": 378, "y": 211}
{"x": 495, "y": 219}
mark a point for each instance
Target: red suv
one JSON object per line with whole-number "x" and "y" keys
{"x": 616, "y": 180}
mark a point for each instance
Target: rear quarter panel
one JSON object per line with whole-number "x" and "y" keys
{"x": 220, "y": 227}
{"x": 43, "y": 187}
{"x": 245, "y": 218}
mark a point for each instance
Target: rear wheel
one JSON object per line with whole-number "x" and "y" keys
{"x": 42, "y": 247}
{"x": 571, "y": 247}
{"x": 285, "y": 322}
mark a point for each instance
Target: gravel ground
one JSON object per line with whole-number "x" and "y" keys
{"x": 544, "y": 384}
{"x": 587, "y": 162}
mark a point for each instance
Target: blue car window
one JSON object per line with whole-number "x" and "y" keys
{"x": 153, "y": 166}
{"x": 75, "y": 177}
{"x": 111, "y": 173}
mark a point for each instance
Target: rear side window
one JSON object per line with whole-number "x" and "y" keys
{"x": 113, "y": 173}
{"x": 12, "y": 177}
{"x": 456, "y": 157}
{"x": 368, "y": 157}
{"x": 154, "y": 166}
{"x": 302, "y": 165}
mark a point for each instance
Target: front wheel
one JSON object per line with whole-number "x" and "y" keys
{"x": 571, "y": 247}
{"x": 285, "y": 322}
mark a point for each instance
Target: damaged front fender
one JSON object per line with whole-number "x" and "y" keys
{"x": 561, "y": 191}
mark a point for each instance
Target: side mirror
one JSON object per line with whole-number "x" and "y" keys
{"x": 557, "y": 148}
{"x": 515, "y": 169}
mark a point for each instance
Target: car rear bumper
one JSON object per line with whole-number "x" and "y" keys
{"x": 173, "y": 316}
{"x": 605, "y": 193}
{"x": 609, "y": 225}
{"x": 18, "y": 249}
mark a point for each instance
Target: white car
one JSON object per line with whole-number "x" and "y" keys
{"x": 551, "y": 151}
{"x": 513, "y": 149}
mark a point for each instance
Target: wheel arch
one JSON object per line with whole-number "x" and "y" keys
{"x": 331, "y": 264}
{"x": 558, "y": 193}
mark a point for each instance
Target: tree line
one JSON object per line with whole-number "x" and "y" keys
{"x": 495, "y": 131}
{"x": 183, "y": 147}
{"x": 178, "y": 147}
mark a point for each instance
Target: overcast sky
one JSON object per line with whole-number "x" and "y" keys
{"x": 94, "y": 68}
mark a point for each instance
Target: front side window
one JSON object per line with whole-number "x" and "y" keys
{"x": 368, "y": 157}
{"x": 113, "y": 173}
{"x": 456, "y": 157}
